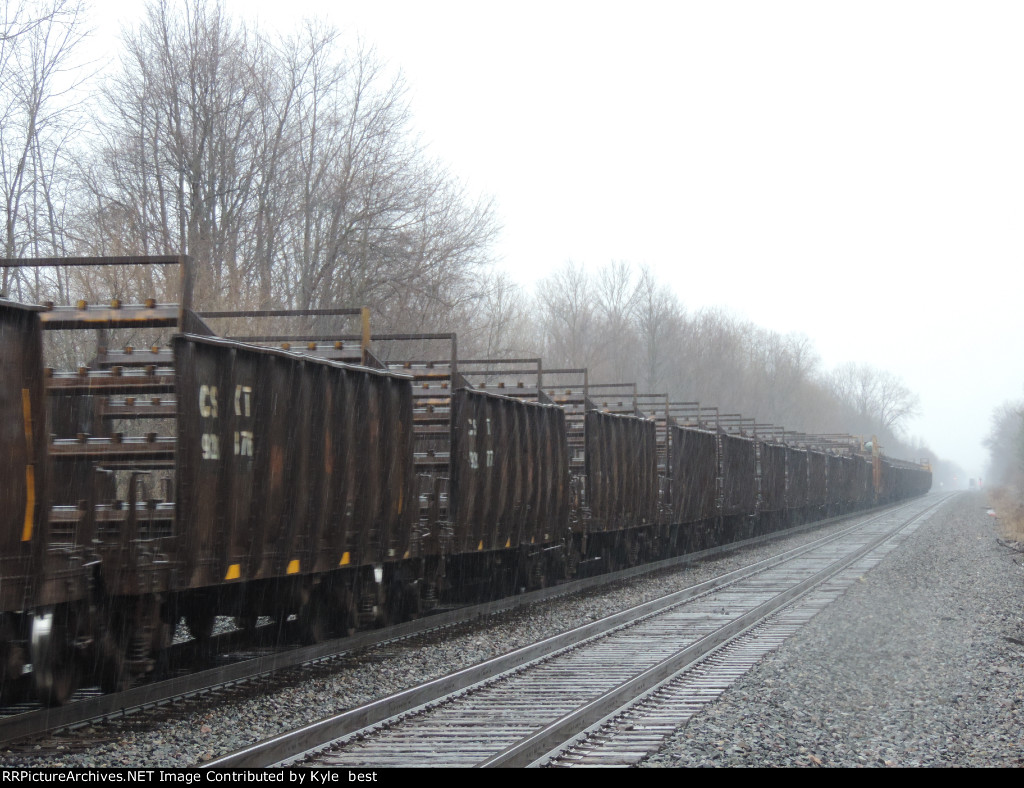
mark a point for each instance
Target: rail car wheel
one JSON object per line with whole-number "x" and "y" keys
{"x": 200, "y": 622}
{"x": 632, "y": 548}
{"x": 404, "y": 601}
{"x": 572, "y": 560}
{"x": 314, "y": 620}
{"x": 370, "y": 616}
{"x": 413, "y": 601}
{"x": 247, "y": 622}
{"x": 659, "y": 546}
{"x": 134, "y": 637}
{"x": 346, "y": 614}
{"x": 536, "y": 572}
{"x": 608, "y": 559}
{"x": 12, "y": 659}
{"x": 112, "y": 671}
{"x": 374, "y": 612}
{"x": 430, "y": 597}
{"x": 55, "y": 668}
{"x": 117, "y": 627}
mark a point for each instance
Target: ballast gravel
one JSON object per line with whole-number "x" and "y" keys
{"x": 931, "y": 686}
{"x": 922, "y": 664}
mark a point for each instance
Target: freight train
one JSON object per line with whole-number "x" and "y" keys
{"x": 330, "y": 481}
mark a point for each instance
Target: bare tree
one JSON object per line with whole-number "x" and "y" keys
{"x": 183, "y": 127}
{"x": 878, "y": 398}
{"x": 38, "y": 118}
{"x": 712, "y": 357}
{"x": 566, "y": 304}
{"x": 659, "y": 320}
{"x": 498, "y": 324}
{"x": 779, "y": 369}
{"x": 614, "y": 294}
{"x": 896, "y": 403}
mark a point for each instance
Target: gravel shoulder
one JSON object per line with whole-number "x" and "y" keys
{"x": 921, "y": 664}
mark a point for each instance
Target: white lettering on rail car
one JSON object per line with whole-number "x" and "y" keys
{"x": 208, "y": 401}
{"x": 243, "y": 443}
{"x": 211, "y": 446}
{"x": 242, "y": 394}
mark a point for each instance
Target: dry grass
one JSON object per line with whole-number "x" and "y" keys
{"x": 1008, "y": 503}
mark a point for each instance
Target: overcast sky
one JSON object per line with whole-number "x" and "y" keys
{"x": 850, "y": 170}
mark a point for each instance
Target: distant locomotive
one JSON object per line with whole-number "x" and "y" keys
{"x": 219, "y": 477}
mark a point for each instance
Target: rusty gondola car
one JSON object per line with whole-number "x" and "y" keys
{"x": 295, "y": 482}
{"x": 508, "y": 497}
{"x": 693, "y": 485}
{"x": 622, "y": 487}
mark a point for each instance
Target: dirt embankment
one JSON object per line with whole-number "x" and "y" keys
{"x": 1007, "y": 504}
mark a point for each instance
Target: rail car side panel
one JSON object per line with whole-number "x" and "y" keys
{"x": 508, "y": 472}
{"x": 885, "y": 491}
{"x": 836, "y": 480}
{"x": 854, "y": 494}
{"x": 212, "y": 485}
{"x": 546, "y": 483}
{"x": 23, "y": 436}
{"x": 371, "y": 444}
{"x": 621, "y": 471}
{"x": 796, "y": 478}
{"x": 339, "y": 503}
{"x": 862, "y": 490}
{"x": 817, "y": 480}
{"x": 773, "y": 478}
{"x": 693, "y": 471}
{"x": 739, "y": 462}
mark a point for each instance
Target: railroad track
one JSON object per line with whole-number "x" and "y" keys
{"x": 249, "y": 664}
{"x": 572, "y": 690}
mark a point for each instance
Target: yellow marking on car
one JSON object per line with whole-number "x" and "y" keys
{"x": 30, "y": 503}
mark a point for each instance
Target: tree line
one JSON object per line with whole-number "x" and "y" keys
{"x": 624, "y": 325}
